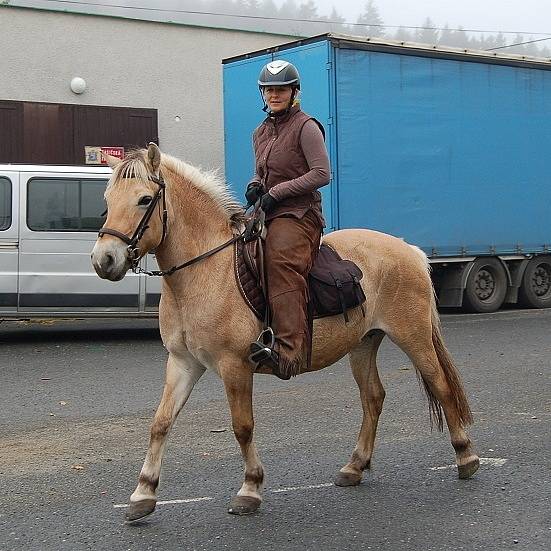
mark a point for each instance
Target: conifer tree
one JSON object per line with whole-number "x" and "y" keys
{"x": 371, "y": 19}
{"x": 428, "y": 34}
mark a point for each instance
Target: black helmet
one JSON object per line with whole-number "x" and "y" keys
{"x": 279, "y": 73}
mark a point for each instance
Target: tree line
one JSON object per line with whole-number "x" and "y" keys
{"x": 301, "y": 18}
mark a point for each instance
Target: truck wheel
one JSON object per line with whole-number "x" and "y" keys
{"x": 486, "y": 286}
{"x": 535, "y": 289}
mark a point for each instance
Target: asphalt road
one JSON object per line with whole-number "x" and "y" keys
{"x": 77, "y": 398}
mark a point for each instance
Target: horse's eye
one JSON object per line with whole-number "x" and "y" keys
{"x": 145, "y": 200}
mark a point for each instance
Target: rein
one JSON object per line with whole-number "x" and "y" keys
{"x": 253, "y": 230}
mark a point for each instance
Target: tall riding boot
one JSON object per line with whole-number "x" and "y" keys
{"x": 290, "y": 249}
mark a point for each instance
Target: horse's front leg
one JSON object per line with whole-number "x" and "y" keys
{"x": 238, "y": 381}
{"x": 182, "y": 372}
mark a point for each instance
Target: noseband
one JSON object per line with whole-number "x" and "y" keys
{"x": 132, "y": 242}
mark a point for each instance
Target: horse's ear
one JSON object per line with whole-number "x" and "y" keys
{"x": 112, "y": 161}
{"x": 154, "y": 155}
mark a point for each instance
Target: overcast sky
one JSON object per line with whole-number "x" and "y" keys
{"x": 527, "y": 16}
{"x": 504, "y": 15}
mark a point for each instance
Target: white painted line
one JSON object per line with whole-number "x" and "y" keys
{"x": 492, "y": 461}
{"x": 196, "y": 499}
{"x": 294, "y": 488}
{"x": 170, "y": 502}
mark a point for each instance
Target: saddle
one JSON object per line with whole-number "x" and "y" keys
{"x": 334, "y": 283}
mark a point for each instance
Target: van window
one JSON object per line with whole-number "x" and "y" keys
{"x": 65, "y": 204}
{"x": 5, "y": 203}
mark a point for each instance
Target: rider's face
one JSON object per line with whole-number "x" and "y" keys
{"x": 278, "y": 98}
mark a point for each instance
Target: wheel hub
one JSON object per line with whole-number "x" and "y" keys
{"x": 485, "y": 284}
{"x": 541, "y": 280}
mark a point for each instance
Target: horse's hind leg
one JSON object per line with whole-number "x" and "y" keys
{"x": 363, "y": 360}
{"x": 425, "y": 348}
{"x": 182, "y": 372}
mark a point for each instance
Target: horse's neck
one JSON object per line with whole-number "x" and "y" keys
{"x": 195, "y": 226}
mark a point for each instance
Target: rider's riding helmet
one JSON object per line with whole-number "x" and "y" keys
{"x": 279, "y": 73}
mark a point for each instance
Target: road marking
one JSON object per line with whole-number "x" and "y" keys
{"x": 294, "y": 488}
{"x": 196, "y": 499}
{"x": 170, "y": 502}
{"x": 492, "y": 461}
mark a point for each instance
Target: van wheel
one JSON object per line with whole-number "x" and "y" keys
{"x": 535, "y": 289}
{"x": 486, "y": 286}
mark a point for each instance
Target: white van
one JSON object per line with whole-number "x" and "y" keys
{"x": 49, "y": 219}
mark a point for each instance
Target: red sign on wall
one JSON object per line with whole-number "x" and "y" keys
{"x": 96, "y": 155}
{"x": 113, "y": 151}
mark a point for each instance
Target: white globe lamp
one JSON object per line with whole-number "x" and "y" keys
{"x": 78, "y": 85}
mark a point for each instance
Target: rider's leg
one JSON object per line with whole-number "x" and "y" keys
{"x": 291, "y": 247}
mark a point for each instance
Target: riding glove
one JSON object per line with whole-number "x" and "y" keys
{"x": 254, "y": 192}
{"x": 267, "y": 203}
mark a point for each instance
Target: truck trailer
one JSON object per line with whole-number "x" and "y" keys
{"x": 446, "y": 148}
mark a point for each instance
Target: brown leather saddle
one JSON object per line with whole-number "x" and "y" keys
{"x": 334, "y": 283}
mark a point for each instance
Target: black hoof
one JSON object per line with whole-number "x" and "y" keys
{"x": 467, "y": 470}
{"x": 140, "y": 509}
{"x": 347, "y": 479}
{"x": 244, "y": 505}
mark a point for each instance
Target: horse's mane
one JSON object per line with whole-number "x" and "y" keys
{"x": 135, "y": 163}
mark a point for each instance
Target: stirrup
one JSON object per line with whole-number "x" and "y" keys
{"x": 263, "y": 348}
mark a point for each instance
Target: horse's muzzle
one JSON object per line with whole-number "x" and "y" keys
{"x": 110, "y": 264}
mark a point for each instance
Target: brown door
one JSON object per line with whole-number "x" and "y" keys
{"x": 48, "y": 133}
{"x": 113, "y": 126}
{"x": 51, "y": 133}
{"x": 11, "y": 132}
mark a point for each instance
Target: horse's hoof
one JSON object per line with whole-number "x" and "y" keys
{"x": 244, "y": 505}
{"x": 467, "y": 470}
{"x": 347, "y": 479}
{"x": 140, "y": 509}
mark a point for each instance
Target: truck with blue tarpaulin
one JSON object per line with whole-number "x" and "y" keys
{"x": 446, "y": 148}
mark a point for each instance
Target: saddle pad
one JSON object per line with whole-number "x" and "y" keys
{"x": 247, "y": 276}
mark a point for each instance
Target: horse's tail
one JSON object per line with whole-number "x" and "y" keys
{"x": 450, "y": 373}
{"x": 446, "y": 363}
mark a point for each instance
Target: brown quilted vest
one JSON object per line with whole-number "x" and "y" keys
{"x": 279, "y": 158}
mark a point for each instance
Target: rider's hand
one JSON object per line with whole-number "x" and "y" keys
{"x": 267, "y": 203}
{"x": 254, "y": 192}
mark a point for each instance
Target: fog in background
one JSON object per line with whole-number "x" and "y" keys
{"x": 443, "y": 22}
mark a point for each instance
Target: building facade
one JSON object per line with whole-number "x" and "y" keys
{"x": 72, "y": 80}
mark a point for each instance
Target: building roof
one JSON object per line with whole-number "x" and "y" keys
{"x": 74, "y": 9}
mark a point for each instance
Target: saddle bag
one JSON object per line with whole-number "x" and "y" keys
{"x": 334, "y": 285}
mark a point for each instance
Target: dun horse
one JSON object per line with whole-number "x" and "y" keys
{"x": 205, "y": 323}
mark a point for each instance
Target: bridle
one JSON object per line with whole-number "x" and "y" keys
{"x": 253, "y": 230}
{"x": 132, "y": 242}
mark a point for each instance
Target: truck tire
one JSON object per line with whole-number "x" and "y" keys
{"x": 486, "y": 286}
{"x": 535, "y": 289}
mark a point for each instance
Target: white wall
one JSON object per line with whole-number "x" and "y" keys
{"x": 175, "y": 69}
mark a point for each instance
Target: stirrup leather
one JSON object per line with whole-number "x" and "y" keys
{"x": 263, "y": 348}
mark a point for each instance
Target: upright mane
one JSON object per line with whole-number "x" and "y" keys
{"x": 134, "y": 165}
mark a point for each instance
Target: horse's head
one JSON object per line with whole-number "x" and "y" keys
{"x": 135, "y": 204}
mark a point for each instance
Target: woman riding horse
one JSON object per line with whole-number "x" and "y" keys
{"x": 291, "y": 164}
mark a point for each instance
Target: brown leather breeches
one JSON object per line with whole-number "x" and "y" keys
{"x": 291, "y": 247}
